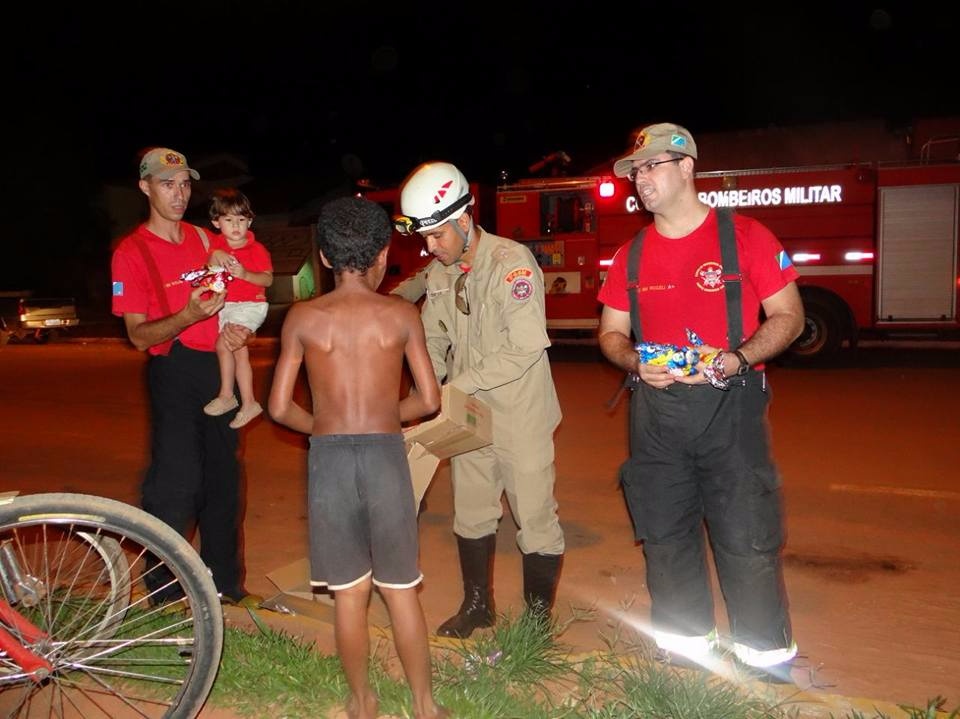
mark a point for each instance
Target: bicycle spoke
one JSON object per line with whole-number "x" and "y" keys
{"x": 109, "y": 598}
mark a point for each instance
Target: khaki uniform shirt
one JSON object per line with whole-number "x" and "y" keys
{"x": 498, "y": 351}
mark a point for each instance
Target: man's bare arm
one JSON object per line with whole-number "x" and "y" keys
{"x": 281, "y": 406}
{"x": 614, "y": 337}
{"x": 783, "y": 324}
{"x": 145, "y": 333}
{"x": 424, "y": 398}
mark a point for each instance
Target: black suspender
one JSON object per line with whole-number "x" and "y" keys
{"x": 633, "y": 281}
{"x": 732, "y": 279}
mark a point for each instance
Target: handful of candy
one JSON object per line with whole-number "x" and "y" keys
{"x": 211, "y": 277}
{"x": 682, "y": 361}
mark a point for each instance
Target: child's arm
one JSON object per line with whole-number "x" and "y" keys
{"x": 219, "y": 258}
{"x": 281, "y": 405}
{"x": 424, "y": 397}
{"x": 264, "y": 278}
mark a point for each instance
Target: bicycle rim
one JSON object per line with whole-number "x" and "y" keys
{"x": 128, "y": 616}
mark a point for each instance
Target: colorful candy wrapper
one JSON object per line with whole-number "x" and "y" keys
{"x": 211, "y": 277}
{"x": 682, "y": 361}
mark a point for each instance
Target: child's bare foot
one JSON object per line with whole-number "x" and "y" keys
{"x": 438, "y": 712}
{"x": 365, "y": 708}
{"x": 247, "y": 412}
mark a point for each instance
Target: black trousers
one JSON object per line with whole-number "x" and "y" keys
{"x": 194, "y": 479}
{"x": 700, "y": 457}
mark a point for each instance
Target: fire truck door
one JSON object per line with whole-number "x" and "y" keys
{"x": 917, "y": 251}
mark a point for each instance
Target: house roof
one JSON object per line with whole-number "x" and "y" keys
{"x": 289, "y": 247}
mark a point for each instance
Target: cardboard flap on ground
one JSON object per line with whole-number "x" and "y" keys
{"x": 298, "y": 596}
{"x": 465, "y": 423}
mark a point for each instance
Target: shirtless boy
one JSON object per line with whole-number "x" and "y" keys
{"x": 361, "y": 512}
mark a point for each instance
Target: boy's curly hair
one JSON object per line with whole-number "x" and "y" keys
{"x": 351, "y": 233}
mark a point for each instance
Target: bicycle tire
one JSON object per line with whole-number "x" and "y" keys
{"x": 113, "y": 645}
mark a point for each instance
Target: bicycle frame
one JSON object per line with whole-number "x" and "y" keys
{"x": 33, "y": 665}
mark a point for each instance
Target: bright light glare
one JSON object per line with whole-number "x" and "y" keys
{"x": 607, "y": 188}
{"x": 606, "y": 263}
{"x": 857, "y": 256}
{"x": 805, "y": 256}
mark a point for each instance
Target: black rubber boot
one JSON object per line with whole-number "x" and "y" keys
{"x": 476, "y": 565}
{"x": 540, "y": 574}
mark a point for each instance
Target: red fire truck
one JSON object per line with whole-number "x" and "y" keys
{"x": 876, "y": 245}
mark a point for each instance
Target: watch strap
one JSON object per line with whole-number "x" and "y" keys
{"x": 744, "y": 364}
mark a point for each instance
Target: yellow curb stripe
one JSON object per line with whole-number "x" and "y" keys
{"x": 900, "y": 491}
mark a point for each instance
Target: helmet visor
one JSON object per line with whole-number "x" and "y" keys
{"x": 408, "y": 225}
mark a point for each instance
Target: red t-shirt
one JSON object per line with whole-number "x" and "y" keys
{"x": 134, "y": 290}
{"x": 681, "y": 281}
{"x": 255, "y": 258}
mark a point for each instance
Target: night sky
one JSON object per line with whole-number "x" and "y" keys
{"x": 313, "y": 96}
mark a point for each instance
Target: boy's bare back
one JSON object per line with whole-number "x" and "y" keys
{"x": 353, "y": 342}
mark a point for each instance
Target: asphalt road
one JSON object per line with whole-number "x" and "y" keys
{"x": 867, "y": 449}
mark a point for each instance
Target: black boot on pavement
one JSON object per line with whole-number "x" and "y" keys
{"x": 476, "y": 565}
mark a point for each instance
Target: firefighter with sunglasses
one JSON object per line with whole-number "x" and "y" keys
{"x": 484, "y": 319}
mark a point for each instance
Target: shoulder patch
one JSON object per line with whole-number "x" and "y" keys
{"x": 519, "y": 272}
{"x": 521, "y": 289}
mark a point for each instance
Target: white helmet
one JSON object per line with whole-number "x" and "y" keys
{"x": 434, "y": 193}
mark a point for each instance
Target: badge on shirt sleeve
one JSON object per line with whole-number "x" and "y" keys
{"x": 118, "y": 289}
{"x": 521, "y": 288}
{"x": 783, "y": 260}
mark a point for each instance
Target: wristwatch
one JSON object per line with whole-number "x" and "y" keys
{"x": 744, "y": 365}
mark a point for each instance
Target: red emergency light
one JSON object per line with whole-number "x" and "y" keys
{"x": 606, "y": 187}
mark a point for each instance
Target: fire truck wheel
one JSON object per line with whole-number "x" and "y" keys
{"x": 821, "y": 336}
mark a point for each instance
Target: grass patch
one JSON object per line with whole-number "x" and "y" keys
{"x": 517, "y": 670}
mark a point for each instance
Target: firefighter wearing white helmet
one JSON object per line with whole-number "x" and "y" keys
{"x": 486, "y": 331}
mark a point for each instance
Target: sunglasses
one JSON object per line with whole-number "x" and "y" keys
{"x": 408, "y": 225}
{"x": 460, "y": 294}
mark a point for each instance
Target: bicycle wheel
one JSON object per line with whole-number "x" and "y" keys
{"x": 74, "y": 567}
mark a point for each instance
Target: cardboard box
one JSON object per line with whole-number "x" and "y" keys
{"x": 465, "y": 423}
{"x": 423, "y": 466}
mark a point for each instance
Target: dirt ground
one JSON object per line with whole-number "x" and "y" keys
{"x": 868, "y": 458}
